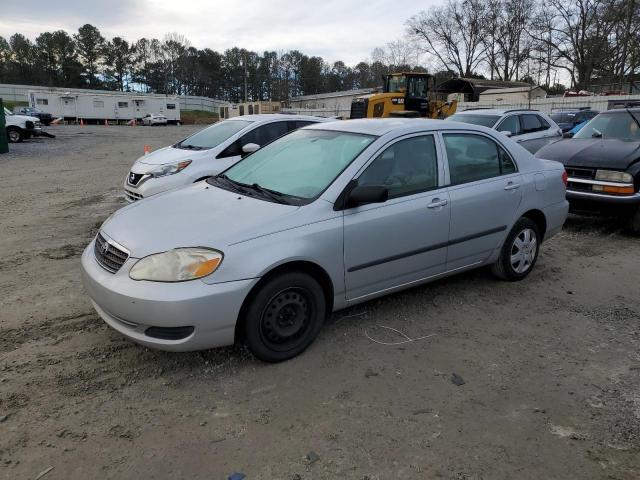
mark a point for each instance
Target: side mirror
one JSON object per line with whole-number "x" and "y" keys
{"x": 250, "y": 148}
{"x": 362, "y": 194}
{"x": 567, "y": 135}
{"x": 506, "y": 133}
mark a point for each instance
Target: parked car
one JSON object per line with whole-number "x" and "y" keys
{"x": 21, "y": 127}
{"x": 207, "y": 152}
{"x": 321, "y": 219}
{"x": 569, "y": 118}
{"x": 530, "y": 128}
{"x": 603, "y": 164}
{"x": 45, "y": 118}
{"x": 154, "y": 119}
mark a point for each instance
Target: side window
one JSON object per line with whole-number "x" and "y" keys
{"x": 543, "y": 122}
{"x": 530, "y": 123}
{"x": 474, "y": 157}
{"x": 296, "y": 124}
{"x": 406, "y": 167}
{"x": 510, "y": 124}
{"x": 264, "y": 134}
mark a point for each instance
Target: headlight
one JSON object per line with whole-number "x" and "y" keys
{"x": 169, "y": 169}
{"x": 177, "y": 265}
{"x": 613, "y": 176}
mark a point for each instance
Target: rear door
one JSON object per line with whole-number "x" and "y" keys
{"x": 484, "y": 192}
{"x": 536, "y": 132}
{"x": 403, "y": 240}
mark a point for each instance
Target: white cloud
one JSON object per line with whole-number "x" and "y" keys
{"x": 345, "y": 30}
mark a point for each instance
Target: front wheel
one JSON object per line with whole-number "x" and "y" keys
{"x": 15, "y": 135}
{"x": 519, "y": 252}
{"x": 284, "y": 317}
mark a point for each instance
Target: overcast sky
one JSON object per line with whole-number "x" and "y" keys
{"x": 345, "y": 30}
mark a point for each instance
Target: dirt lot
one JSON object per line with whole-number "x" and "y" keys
{"x": 550, "y": 365}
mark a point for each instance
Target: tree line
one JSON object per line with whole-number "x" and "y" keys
{"x": 173, "y": 66}
{"x": 546, "y": 42}
{"x": 584, "y": 41}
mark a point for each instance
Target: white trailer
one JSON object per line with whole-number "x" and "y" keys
{"x": 76, "y": 105}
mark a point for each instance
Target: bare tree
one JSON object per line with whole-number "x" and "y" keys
{"x": 452, "y": 33}
{"x": 507, "y": 43}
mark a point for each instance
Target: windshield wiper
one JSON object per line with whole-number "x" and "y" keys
{"x": 273, "y": 195}
{"x": 233, "y": 184}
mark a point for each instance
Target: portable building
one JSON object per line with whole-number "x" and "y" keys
{"x": 248, "y": 108}
{"x": 514, "y": 94}
{"x": 326, "y": 104}
{"x": 91, "y": 106}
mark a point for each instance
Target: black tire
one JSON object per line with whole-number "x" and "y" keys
{"x": 284, "y": 317}
{"x": 518, "y": 255}
{"x": 15, "y": 135}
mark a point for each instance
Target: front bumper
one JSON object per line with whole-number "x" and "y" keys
{"x": 603, "y": 198}
{"x": 132, "y": 307}
{"x": 147, "y": 187}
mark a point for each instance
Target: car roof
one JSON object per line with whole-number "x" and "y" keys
{"x": 263, "y": 117}
{"x": 399, "y": 126}
{"x": 497, "y": 111}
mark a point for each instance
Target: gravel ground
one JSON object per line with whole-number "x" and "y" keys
{"x": 531, "y": 380}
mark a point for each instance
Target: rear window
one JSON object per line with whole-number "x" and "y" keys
{"x": 563, "y": 117}
{"x": 475, "y": 119}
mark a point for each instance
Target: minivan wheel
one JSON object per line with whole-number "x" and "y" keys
{"x": 14, "y": 134}
{"x": 519, "y": 252}
{"x": 284, "y": 317}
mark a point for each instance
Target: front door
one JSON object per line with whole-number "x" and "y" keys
{"x": 485, "y": 193}
{"x": 403, "y": 240}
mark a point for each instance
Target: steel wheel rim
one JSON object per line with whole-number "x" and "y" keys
{"x": 286, "y": 319}
{"x": 524, "y": 250}
{"x": 14, "y": 136}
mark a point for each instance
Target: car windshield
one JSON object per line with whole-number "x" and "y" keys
{"x": 618, "y": 125}
{"x": 214, "y": 135}
{"x": 484, "y": 120}
{"x": 563, "y": 117}
{"x": 302, "y": 164}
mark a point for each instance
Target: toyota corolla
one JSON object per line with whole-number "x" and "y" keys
{"x": 321, "y": 219}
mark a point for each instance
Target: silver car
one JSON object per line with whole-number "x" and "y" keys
{"x": 532, "y": 129}
{"x": 321, "y": 219}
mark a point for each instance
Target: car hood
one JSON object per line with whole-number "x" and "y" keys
{"x": 592, "y": 152}
{"x": 168, "y": 155}
{"x": 198, "y": 215}
{"x": 23, "y": 118}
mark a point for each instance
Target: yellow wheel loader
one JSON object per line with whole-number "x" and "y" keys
{"x": 406, "y": 94}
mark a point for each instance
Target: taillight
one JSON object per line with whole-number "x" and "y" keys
{"x": 565, "y": 178}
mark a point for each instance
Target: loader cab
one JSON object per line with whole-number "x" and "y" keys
{"x": 413, "y": 86}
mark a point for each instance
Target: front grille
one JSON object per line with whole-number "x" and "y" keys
{"x": 577, "y": 186}
{"x": 359, "y": 108}
{"x": 134, "y": 178}
{"x": 585, "y": 173}
{"x": 110, "y": 257}
{"x": 132, "y": 196}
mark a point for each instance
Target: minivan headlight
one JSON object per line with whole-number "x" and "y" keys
{"x": 169, "y": 169}
{"x": 177, "y": 265}
{"x": 613, "y": 176}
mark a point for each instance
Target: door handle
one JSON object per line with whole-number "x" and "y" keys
{"x": 512, "y": 186}
{"x": 436, "y": 202}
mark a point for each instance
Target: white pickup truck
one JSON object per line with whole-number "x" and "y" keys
{"x": 20, "y": 127}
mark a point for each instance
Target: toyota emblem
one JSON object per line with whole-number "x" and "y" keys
{"x": 105, "y": 248}
{"x": 132, "y": 177}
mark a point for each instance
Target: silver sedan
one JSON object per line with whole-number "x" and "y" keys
{"x": 321, "y": 219}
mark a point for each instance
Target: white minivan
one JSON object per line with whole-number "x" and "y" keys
{"x": 208, "y": 152}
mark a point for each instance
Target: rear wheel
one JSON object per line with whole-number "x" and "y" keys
{"x": 284, "y": 317}
{"x": 14, "y": 134}
{"x": 519, "y": 252}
